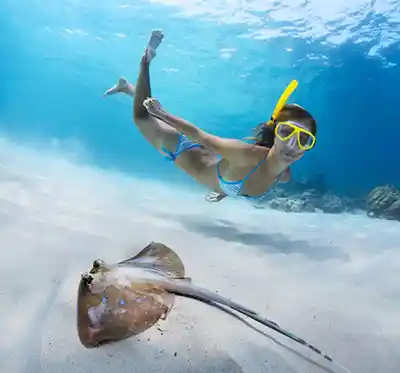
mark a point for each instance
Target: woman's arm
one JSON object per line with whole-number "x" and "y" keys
{"x": 231, "y": 149}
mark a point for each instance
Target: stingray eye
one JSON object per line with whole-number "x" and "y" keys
{"x": 97, "y": 263}
{"x": 87, "y": 278}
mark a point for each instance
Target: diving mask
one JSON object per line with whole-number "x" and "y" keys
{"x": 291, "y": 130}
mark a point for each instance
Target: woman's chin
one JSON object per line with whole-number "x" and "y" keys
{"x": 287, "y": 157}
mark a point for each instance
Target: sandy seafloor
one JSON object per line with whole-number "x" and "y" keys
{"x": 331, "y": 279}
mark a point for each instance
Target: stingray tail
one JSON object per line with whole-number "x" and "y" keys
{"x": 209, "y": 297}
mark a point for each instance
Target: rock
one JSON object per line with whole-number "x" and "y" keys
{"x": 298, "y": 205}
{"x": 311, "y": 194}
{"x": 309, "y": 207}
{"x": 311, "y": 198}
{"x": 381, "y": 199}
{"x": 291, "y": 205}
{"x": 393, "y": 211}
{"x": 278, "y": 203}
{"x": 279, "y": 192}
{"x": 332, "y": 204}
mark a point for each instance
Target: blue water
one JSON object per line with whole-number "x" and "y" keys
{"x": 332, "y": 279}
{"x": 223, "y": 65}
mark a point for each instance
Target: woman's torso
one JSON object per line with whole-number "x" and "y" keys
{"x": 218, "y": 173}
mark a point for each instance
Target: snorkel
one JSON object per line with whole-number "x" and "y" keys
{"x": 282, "y": 101}
{"x": 278, "y": 107}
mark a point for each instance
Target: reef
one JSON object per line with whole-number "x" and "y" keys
{"x": 382, "y": 202}
{"x": 311, "y": 200}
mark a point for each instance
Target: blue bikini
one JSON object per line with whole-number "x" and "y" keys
{"x": 230, "y": 188}
{"x": 233, "y": 188}
{"x": 183, "y": 144}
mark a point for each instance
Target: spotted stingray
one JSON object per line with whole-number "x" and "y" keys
{"x": 117, "y": 301}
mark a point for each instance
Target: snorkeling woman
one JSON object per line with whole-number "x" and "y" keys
{"x": 229, "y": 167}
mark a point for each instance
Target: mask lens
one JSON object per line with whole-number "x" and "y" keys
{"x": 305, "y": 139}
{"x": 285, "y": 130}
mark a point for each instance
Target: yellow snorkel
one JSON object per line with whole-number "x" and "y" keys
{"x": 282, "y": 101}
{"x": 280, "y": 104}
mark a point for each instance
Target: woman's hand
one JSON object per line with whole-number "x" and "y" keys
{"x": 153, "y": 106}
{"x": 215, "y": 197}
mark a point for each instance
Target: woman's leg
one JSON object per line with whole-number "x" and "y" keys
{"x": 158, "y": 133}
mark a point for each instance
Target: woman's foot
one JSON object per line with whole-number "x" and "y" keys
{"x": 150, "y": 52}
{"x": 122, "y": 86}
{"x": 154, "y": 42}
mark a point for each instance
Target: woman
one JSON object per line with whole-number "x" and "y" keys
{"x": 229, "y": 167}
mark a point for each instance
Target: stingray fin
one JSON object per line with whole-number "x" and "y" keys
{"x": 160, "y": 257}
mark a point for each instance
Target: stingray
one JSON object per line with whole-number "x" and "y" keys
{"x": 118, "y": 301}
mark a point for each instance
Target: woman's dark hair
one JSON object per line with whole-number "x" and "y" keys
{"x": 265, "y": 135}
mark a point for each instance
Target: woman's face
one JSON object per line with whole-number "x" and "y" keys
{"x": 287, "y": 141}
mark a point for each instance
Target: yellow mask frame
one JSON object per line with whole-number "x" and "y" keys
{"x": 296, "y": 131}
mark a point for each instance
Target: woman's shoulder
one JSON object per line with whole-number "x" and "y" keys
{"x": 262, "y": 150}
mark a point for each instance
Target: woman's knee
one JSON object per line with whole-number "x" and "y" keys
{"x": 140, "y": 113}
{"x": 156, "y": 132}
